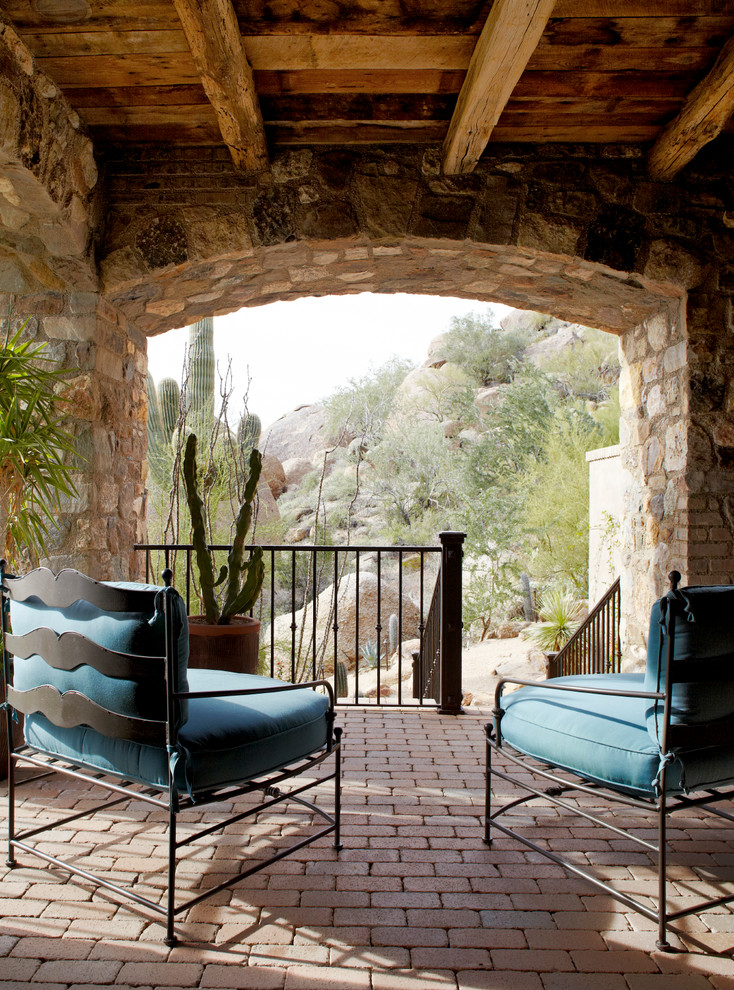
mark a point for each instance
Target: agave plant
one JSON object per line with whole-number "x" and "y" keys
{"x": 370, "y": 654}
{"x": 560, "y": 615}
{"x": 33, "y": 446}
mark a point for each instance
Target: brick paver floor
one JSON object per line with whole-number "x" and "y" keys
{"x": 415, "y": 900}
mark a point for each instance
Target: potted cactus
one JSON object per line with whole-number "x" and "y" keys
{"x": 224, "y": 638}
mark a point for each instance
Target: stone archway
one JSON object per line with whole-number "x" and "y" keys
{"x": 561, "y": 236}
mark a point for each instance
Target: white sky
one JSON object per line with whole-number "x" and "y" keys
{"x": 299, "y": 352}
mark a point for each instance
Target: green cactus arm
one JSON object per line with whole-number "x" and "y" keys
{"x": 155, "y": 423}
{"x": 198, "y": 530}
{"x": 242, "y": 526}
{"x": 169, "y": 400}
{"x": 222, "y": 576}
{"x": 154, "y": 410}
{"x": 255, "y": 570}
{"x": 256, "y": 466}
{"x": 249, "y": 429}
{"x": 201, "y": 375}
{"x": 160, "y": 460}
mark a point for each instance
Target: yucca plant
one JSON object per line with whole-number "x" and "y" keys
{"x": 560, "y": 615}
{"x": 370, "y": 654}
{"x": 33, "y": 446}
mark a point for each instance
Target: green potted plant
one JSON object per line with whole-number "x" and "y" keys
{"x": 34, "y": 477}
{"x": 224, "y": 638}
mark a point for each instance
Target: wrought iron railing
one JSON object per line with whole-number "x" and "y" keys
{"x": 427, "y": 662}
{"x": 595, "y": 647}
{"x": 302, "y": 612}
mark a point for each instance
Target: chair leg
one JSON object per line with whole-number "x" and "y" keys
{"x": 170, "y": 938}
{"x": 338, "y": 789}
{"x": 488, "y": 791}
{"x": 662, "y": 944}
{"x": 10, "y": 861}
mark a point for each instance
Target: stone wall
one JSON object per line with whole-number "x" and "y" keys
{"x": 654, "y": 455}
{"x": 710, "y": 450}
{"x": 572, "y": 231}
{"x": 48, "y": 181}
{"x": 106, "y": 404}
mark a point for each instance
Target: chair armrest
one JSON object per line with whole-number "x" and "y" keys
{"x": 242, "y": 692}
{"x": 548, "y": 685}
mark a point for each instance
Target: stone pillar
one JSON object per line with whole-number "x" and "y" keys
{"x": 710, "y": 466}
{"x": 106, "y": 402}
{"x": 654, "y": 397}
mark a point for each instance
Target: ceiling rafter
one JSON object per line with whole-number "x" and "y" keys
{"x": 706, "y": 111}
{"x": 509, "y": 38}
{"x": 213, "y": 34}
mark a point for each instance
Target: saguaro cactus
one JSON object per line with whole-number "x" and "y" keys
{"x": 341, "y": 683}
{"x": 392, "y": 634}
{"x": 169, "y": 400}
{"x": 201, "y": 374}
{"x": 244, "y": 577}
{"x": 163, "y": 413}
{"x": 166, "y": 403}
{"x": 249, "y": 429}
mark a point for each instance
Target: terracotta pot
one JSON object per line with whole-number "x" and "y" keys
{"x": 231, "y": 647}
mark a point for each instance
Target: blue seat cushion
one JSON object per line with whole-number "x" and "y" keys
{"x": 140, "y": 633}
{"x": 703, "y": 661}
{"x": 605, "y": 738}
{"x": 224, "y": 740}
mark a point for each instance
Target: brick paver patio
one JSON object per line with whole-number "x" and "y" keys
{"x": 415, "y": 901}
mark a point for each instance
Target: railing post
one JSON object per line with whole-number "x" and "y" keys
{"x": 451, "y": 622}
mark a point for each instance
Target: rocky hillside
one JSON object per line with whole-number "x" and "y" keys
{"x": 303, "y": 457}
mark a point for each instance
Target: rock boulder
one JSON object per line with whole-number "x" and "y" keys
{"x": 296, "y": 469}
{"x": 299, "y": 433}
{"x": 348, "y": 646}
{"x": 274, "y": 474}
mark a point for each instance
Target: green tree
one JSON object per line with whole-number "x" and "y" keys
{"x": 415, "y": 477}
{"x": 513, "y": 430}
{"x": 361, "y": 407}
{"x": 556, "y": 500}
{"x": 588, "y": 370}
{"x": 440, "y": 394}
{"x": 607, "y": 415}
{"x": 491, "y": 521}
{"x": 487, "y": 353}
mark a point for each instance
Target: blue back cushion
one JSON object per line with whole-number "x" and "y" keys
{"x": 140, "y": 633}
{"x": 703, "y": 687}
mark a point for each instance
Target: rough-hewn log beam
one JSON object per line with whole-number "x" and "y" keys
{"x": 508, "y": 39}
{"x": 704, "y": 114}
{"x": 214, "y": 38}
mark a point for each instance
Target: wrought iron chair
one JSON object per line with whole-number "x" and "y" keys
{"x": 100, "y": 672}
{"x": 661, "y": 741}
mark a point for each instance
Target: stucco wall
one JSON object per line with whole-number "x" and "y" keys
{"x": 606, "y": 505}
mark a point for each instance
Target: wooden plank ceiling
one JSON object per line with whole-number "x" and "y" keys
{"x": 461, "y": 74}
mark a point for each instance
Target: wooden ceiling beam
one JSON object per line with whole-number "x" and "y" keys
{"x": 704, "y": 115}
{"x": 509, "y": 38}
{"x": 213, "y": 34}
